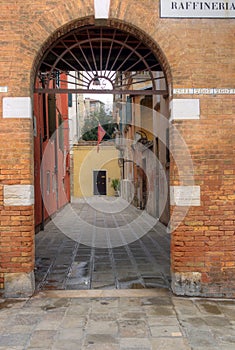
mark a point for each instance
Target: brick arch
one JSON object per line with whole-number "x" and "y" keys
{"x": 113, "y": 23}
{"x": 149, "y": 41}
{"x": 78, "y": 23}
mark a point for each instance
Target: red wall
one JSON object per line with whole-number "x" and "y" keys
{"x": 51, "y": 157}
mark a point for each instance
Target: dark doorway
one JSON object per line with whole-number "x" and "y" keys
{"x": 99, "y": 178}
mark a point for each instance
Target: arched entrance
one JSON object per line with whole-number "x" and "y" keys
{"x": 202, "y": 110}
{"x": 105, "y": 58}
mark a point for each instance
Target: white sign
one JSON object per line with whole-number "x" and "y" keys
{"x": 204, "y": 91}
{"x": 197, "y": 9}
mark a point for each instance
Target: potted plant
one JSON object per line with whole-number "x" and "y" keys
{"x": 115, "y": 184}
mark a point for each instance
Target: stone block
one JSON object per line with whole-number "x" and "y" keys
{"x": 17, "y": 107}
{"x": 22, "y": 195}
{"x": 19, "y": 285}
{"x": 185, "y": 109}
{"x": 188, "y": 283}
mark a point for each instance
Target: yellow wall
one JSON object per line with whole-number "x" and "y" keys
{"x": 85, "y": 160}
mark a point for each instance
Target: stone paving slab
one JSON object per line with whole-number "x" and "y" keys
{"x": 103, "y": 320}
{"x": 137, "y": 260}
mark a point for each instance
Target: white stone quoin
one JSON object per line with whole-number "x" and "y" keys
{"x": 185, "y": 196}
{"x": 17, "y": 107}
{"x": 22, "y": 195}
{"x": 102, "y": 8}
{"x": 183, "y": 108}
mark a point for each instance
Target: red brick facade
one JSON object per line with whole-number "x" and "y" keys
{"x": 205, "y": 242}
{"x": 195, "y": 53}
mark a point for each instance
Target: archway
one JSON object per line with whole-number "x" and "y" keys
{"x": 103, "y": 58}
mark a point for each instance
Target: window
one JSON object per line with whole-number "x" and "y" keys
{"x": 167, "y": 146}
{"x": 128, "y": 110}
{"x": 70, "y": 100}
{"x": 48, "y": 182}
{"x": 44, "y": 114}
{"x": 54, "y": 183}
{"x": 52, "y": 113}
{"x": 61, "y": 133}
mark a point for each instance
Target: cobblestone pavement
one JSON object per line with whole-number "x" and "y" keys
{"x": 110, "y": 297}
{"x": 146, "y": 319}
{"x": 86, "y": 247}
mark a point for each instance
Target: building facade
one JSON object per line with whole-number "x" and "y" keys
{"x": 51, "y": 154}
{"x": 143, "y": 141}
{"x": 194, "y": 46}
{"x": 93, "y": 172}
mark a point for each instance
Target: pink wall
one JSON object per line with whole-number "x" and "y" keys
{"x": 49, "y": 160}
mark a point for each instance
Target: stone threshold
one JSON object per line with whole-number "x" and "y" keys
{"x": 112, "y": 293}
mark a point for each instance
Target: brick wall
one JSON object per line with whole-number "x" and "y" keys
{"x": 195, "y": 53}
{"x": 204, "y": 241}
{"x": 16, "y": 222}
{"x": 26, "y": 27}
